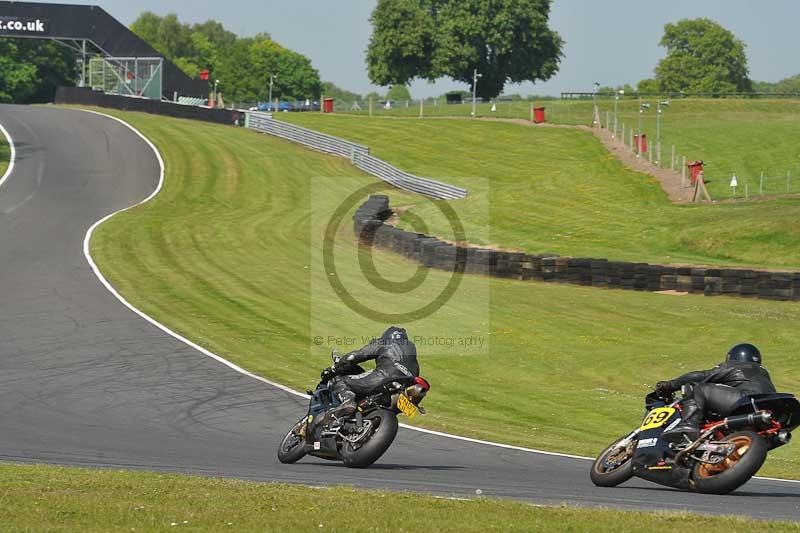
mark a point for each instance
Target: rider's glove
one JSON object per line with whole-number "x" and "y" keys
{"x": 342, "y": 362}
{"x": 328, "y": 373}
{"x": 664, "y": 387}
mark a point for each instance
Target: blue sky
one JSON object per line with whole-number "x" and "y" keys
{"x": 612, "y": 41}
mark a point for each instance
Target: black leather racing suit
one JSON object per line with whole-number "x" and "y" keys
{"x": 719, "y": 388}
{"x": 396, "y": 360}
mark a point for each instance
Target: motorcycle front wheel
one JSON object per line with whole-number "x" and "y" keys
{"x": 382, "y": 434}
{"x": 293, "y": 446}
{"x": 734, "y": 470}
{"x": 614, "y": 465}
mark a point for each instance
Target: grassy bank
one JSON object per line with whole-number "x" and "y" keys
{"x": 45, "y": 498}
{"x": 742, "y": 136}
{"x": 224, "y": 256}
{"x": 560, "y": 191}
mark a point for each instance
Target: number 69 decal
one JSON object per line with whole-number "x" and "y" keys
{"x": 657, "y": 417}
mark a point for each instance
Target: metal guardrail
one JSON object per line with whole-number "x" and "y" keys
{"x": 358, "y": 155}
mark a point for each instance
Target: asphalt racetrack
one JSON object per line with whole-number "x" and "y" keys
{"x": 86, "y": 381}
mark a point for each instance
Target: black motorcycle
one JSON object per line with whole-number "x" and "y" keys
{"x": 358, "y": 440}
{"x": 727, "y": 454}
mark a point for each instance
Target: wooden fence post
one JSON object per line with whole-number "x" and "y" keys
{"x": 683, "y": 172}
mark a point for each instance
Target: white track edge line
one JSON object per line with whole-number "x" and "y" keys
{"x": 11, "y": 159}
{"x": 495, "y": 444}
{"x": 236, "y": 367}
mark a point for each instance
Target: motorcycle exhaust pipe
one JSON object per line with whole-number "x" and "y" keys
{"x": 759, "y": 420}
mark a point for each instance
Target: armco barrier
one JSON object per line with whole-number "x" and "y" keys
{"x": 86, "y": 96}
{"x": 371, "y": 229}
{"x": 358, "y": 155}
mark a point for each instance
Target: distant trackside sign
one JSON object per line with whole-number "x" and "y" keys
{"x": 23, "y": 26}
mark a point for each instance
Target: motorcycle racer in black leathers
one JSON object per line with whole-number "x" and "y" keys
{"x": 395, "y": 360}
{"x": 717, "y": 389}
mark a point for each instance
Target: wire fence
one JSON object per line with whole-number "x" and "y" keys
{"x": 559, "y": 111}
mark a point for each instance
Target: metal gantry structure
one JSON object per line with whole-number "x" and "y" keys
{"x": 92, "y": 34}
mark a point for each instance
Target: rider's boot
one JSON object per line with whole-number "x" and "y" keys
{"x": 689, "y": 426}
{"x": 344, "y": 409}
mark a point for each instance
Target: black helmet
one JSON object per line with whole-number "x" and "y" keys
{"x": 744, "y": 353}
{"x": 394, "y": 334}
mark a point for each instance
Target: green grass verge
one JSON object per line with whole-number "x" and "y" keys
{"x": 559, "y": 190}
{"x": 46, "y": 498}
{"x": 5, "y": 154}
{"x": 222, "y": 255}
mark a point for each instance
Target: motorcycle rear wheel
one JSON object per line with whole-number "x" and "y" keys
{"x": 293, "y": 447}
{"x": 622, "y": 471}
{"x": 736, "y": 469}
{"x": 384, "y": 430}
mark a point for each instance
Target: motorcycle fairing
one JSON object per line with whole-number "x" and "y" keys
{"x": 650, "y": 458}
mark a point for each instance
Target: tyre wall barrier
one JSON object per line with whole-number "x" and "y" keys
{"x": 371, "y": 229}
{"x": 86, "y": 96}
{"x": 358, "y": 155}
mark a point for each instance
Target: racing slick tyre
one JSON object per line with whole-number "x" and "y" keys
{"x": 382, "y": 434}
{"x": 293, "y": 445}
{"x": 736, "y": 469}
{"x": 614, "y": 465}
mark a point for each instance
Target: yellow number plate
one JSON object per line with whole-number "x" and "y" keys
{"x": 406, "y": 407}
{"x": 657, "y": 417}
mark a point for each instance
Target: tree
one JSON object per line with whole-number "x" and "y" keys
{"x": 298, "y": 78}
{"x": 399, "y": 93}
{"x": 788, "y": 85}
{"x": 146, "y": 26}
{"x": 702, "y": 56}
{"x": 191, "y": 48}
{"x": 764, "y": 87}
{"x": 169, "y": 37}
{"x": 216, "y": 34}
{"x": 626, "y": 89}
{"x": 243, "y": 65}
{"x": 648, "y": 86}
{"x": 232, "y": 69}
{"x": 337, "y": 93}
{"x": 505, "y": 40}
{"x": 31, "y": 70}
{"x": 247, "y": 64}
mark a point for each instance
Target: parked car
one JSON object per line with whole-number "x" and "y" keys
{"x": 281, "y": 106}
{"x": 307, "y": 106}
